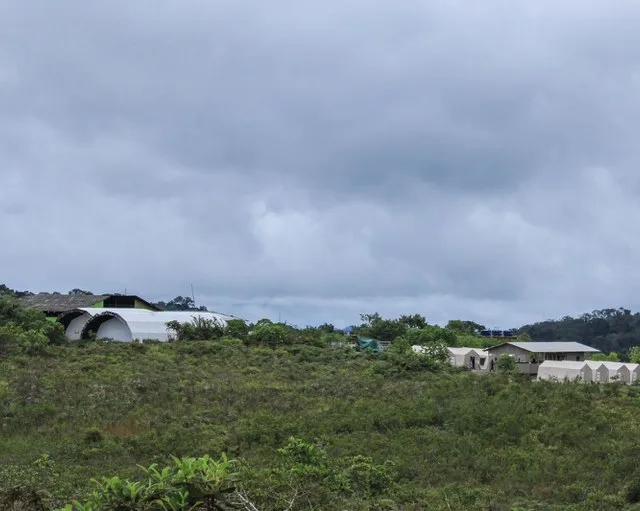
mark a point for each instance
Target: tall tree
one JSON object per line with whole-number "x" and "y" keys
{"x": 465, "y": 327}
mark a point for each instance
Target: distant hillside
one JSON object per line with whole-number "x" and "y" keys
{"x": 607, "y": 329}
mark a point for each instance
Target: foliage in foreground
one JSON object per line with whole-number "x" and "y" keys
{"x": 434, "y": 438}
{"x": 187, "y": 484}
{"x": 304, "y": 472}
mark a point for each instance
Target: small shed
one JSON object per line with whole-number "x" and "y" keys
{"x": 564, "y": 371}
{"x": 529, "y": 355}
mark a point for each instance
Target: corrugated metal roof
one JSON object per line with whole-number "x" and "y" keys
{"x": 551, "y": 347}
{"x": 60, "y": 302}
{"x": 51, "y": 302}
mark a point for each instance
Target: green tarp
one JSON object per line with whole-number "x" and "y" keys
{"x": 366, "y": 344}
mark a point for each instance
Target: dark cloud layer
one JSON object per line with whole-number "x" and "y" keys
{"x": 321, "y": 160}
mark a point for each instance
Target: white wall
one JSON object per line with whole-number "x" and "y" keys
{"x": 74, "y": 330}
{"x": 520, "y": 354}
{"x": 114, "y": 329}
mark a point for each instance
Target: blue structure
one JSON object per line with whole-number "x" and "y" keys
{"x": 497, "y": 333}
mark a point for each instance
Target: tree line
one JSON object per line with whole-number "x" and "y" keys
{"x": 609, "y": 330}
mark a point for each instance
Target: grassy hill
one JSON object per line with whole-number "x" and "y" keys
{"x": 458, "y": 441}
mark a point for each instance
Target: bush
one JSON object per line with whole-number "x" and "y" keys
{"x": 25, "y": 331}
{"x": 188, "y": 483}
{"x": 200, "y": 329}
{"x": 271, "y": 334}
{"x": 237, "y": 329}
{"x": 506, "y": 363}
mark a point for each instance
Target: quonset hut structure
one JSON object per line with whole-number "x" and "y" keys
{"x": 128, "y": 325}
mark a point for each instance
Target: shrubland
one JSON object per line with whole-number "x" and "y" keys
{"x": 313, "y": 428}
{"x": 272, "y": 417}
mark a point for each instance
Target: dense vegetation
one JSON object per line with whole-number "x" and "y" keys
{"x": 271, "y": 417}
{"x": 390, "y": 433}
{"x": 608, "y": 330}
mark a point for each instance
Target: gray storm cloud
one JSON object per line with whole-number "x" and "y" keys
{"x": 321, "y": 160}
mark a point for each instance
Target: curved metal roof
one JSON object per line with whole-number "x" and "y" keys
{"x": 146, "y": 324}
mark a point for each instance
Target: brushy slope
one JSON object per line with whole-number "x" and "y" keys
{"x": 459, "y": 441}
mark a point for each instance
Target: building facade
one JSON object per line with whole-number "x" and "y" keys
{"x": 529, "y": 355}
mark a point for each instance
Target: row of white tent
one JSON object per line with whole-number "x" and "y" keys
{"x": 595, "y": 371}
{"x": 589, "y": 371}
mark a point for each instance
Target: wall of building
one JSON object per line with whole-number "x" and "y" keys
{"x": 571, "y": 357}
{"x": 523, "y": 356}
{"x": 508, "y": 349}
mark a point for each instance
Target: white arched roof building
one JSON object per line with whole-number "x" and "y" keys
{"x": 74, "y": 321}
{"x": 127, "y": 325}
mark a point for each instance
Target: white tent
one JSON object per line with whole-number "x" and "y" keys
{"x": 616, "y": 371}
{"x": 484, "y": 358}
{"x": 564, "y": 371}
{"x": 127, "y": 325}
{"x": 600, "y": 374}
{"x": 468, "y": 357}
{"x": 634, "y": 372}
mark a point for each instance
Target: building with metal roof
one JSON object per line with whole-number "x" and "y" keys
{"x": 529, "y": 355}
{"x": 55, "y": 304}
{"x": 549, "y": 347}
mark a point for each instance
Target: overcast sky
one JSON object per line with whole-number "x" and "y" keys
{"x": 316, "y": 160}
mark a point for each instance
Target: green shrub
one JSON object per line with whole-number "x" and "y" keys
{"x": 26, "y": 331}
{"x": 187, "y": 484}
{"x": 271, "y": 334}
{"x": 237, "y": 329}
{"x": 199, "y": 329}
